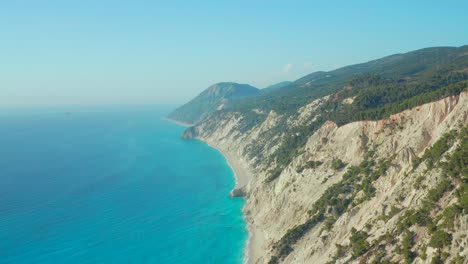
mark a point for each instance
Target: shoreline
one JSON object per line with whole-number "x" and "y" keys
{"x": 177, "y": 122}
{"x": 242, "y": 177}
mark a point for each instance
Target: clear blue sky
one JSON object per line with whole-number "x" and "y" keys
{"x": 110, "y": 51}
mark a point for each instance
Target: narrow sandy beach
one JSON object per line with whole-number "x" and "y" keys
{"x": 242, "y": 177}
{"x": 241, "y": 174}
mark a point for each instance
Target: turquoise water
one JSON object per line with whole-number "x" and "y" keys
{"x": 113, "y": 186}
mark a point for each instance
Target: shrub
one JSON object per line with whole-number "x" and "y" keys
{"x": 273, "y": 174}
{"x": 440, "y": 238}
{"x": 337, "y": 164}
{"x": 407, "y": 244}
{"x": 435, "y": 194}
{"x": 273, "y": 260}
{"x": 417, "y": 182}
{"x": 437, "y": 259}
{"x": 358, "y": 242}
{"x": 449, "y": 215}
{"x": 457, "y": 260}
{"x": 435, "y": 152}
{"x": 423, "y": 252}
{"x": 312, "y": 164}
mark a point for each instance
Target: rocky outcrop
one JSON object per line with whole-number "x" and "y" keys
{"x": 238, "y": 192}
{"x": 189, "y": 133}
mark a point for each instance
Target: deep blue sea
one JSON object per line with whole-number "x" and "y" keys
{"x": 113, "y": 185}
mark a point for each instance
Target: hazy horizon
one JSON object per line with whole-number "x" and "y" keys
{"x": 165, "y": 53}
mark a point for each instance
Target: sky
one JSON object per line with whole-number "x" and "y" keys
{"x": 166, "y": 52}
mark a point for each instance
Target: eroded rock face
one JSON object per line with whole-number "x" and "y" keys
{"x": 190, "y": 133}
{"x": 238, "y": 192}
{"x": 274, "y": 208}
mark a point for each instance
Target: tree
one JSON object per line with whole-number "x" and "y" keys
{"x": 359, "y": 244}
{"x": 440, "y": 238}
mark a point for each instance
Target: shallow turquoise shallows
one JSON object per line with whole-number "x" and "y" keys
{"x": 113, "y": 186}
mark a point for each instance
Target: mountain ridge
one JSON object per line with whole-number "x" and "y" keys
{"x": 276, "y": 86}
{"x": 367, "y": 163}
{"x": 210, "y": 100}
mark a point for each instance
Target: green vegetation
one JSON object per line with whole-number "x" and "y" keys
{"x": 435, "y": 194}
{"x": 456, "y": 164}
{"x": 209, "y": 100}
{"x": 393, "y": 211}
{"x": 378, "y": 89}
{"x": 440, "y": 238}
{"x": 358, "y": 242}
{"x": 273, "y": 174}
{"x": 274, "y": 260}
{"x": 290, "y": 147}
{"x": 376, "y": 83}
{"x": 276, "y": 86}
{"x": 462, "y": 194}
{"x": 417, "y": 182}
{"x": 422, "y": 216}
{"x": 432, "y": 155}
{"x": 391, "y": 100}
{"x": 440, "y": 226}
{"x": 338, "y": 164}
{"x": 335, "y": 201}
{"x": 284, "y": 246}
{"x": 407, "y": 244}
{"x": 340, "y": 252}
{"x": 457, "y": 260}
{"x": 449, "y": 215}
{"x": 423, "y": 252}
{"x": 359, "y": 110}
{"x": 373, "y": 90}
{"x": 311, "y": 164}
{"x": 437, "y": 259}
{"x": 412, "y": 217}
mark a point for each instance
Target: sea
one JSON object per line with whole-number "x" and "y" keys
{"x": 113, "y": 185}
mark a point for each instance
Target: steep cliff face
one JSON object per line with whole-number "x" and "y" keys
{"x": 362, "y": 192}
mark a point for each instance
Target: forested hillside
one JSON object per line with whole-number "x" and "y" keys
{"x": 215, "y": 97}
{"x": 363, "y": 164}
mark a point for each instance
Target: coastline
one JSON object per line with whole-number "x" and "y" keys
{"x": 177, "y": 122}
{"x": 242, "y": 176}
